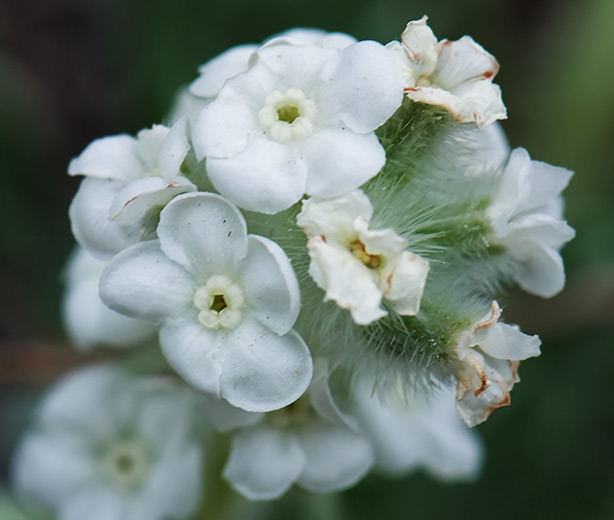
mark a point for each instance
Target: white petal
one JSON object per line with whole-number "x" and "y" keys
{"x": 215, "y": 72}
{"x": 340, "y": 160}
{"x": 462, "y": 61}
{"x": 301, "y": 36}
{"x": 70, "y": 404}
{"x": 134, "y": 201}
{"x": 334, "y": 218}
{"x": 226, "y": 417}
{"x": 95, "y": 503}
{"x": 336, "y": 457}
{"x": 149, "y": 144}
{"x": 190, "y": 349}
{"x": 406, "y": 283}
{"x": 420, "y": 45}
{"x": 292, "y": 66}
{"x": 223, "y": 127}
{"x": 173, "y": 150}
{"x": 262, "y": 371}
{"x": 173, "y": 487}
{"x": 481, "y": 103}
{"x": 89, "y": 218}
{"x": 263, "y": 463}
{"x": 541, "y": 272}
{"x": 505, "y": 341}
{"x": 379, "y": 241}
{"x": 547, "y": 182}
{"x": 270, "y": 284}
{"x": 89, "y": 322}
{"x": 267, "y": 177}
{"x": 142, "y": 282}
{"x": 50, "y": 468}
{"x": 203, "y": 233}
{"x": 114, "y": 157}
{"x": 346, "y": 280}
{"x": 362, "y": 86}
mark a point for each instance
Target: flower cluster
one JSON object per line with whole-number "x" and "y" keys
{"x": 312, "y": 198}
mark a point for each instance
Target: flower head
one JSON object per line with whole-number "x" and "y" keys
{"x": 227, "y": 302}
{"x": 299, "y": 120}
{"x": 105, "y": 445}
{"x": 488, "y": 358}
{"x": 358, "y": 266}
{"x": 126, "y": 180}
{"x": 455, "y": 75}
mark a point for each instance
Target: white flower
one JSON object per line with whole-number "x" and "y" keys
{"x": 455, "y": 75}
{"x": 358, "y": 266}
{"x": 126, "y": 180}
{"x": 416, "y": 431}
{"x": 109, "y": 447}
{"x": 299, "y": 120}
{"x": 310, "y": 443}
{"x": 526, "y": 214}
{"x": 89, "y": 321}
{"x": 227, "y": 302}
{"x": 489, "y": 355}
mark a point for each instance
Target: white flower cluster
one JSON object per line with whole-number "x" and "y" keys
{"x": 313, "y": 197}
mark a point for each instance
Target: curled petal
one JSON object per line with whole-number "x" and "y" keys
{"x": 114, "y": 157}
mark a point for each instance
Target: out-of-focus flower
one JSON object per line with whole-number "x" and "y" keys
{"x": 455, "y": 75}
{"x": 358, "y": 266}
{"x": 106, "y": 446}
{"x": 527, "y": 218}
{"x": 299, "y": 120}
{"x": 128, "y": 180}
{"x": 310, "y": 443}
{"x": 421, "y": 430}
{"x": 227, "y": 302}
{"x": 90, "y": 322}
{"x": 489, "y": 355}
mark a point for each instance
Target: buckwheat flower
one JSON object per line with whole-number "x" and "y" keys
{"x": 106, "y": 446}
{"x": 90, "y": 322}
{"x": 488, "y": 358}
{"x": 527, "y": 218}
{"x": 417, "y": 430}
{"x": 226, "y": 302}
{"x": 357, "y": 266}
{"x": 299, "y": 120}
{"x": 310, "y": 443}
{"x": 454, "y": 75}
{"x": 127, "y": 181}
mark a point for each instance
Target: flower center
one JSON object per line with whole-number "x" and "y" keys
{"x": 125, "y": 463}
{"x": 288, "y": 116}
{"x": 357, "y": 248}
{"x": 221, "y": 303}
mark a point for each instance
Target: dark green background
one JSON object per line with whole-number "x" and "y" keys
{"x": 75, "y": 70}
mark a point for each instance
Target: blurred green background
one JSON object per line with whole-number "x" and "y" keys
{"x": 74, "y": 70}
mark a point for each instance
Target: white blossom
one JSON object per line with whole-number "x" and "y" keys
{"x": 455, "y": 75}
{"x": 417, "y": 430}
{"x": 488, "y": 358}
{"x": 226, "y": 301}
{"x": 126, "y": 180}
{"x": 357, "y": 266}
{"x": 310, "y": 443}
{"x": 90, "y": 322}
{"x": 299, "y": 120}
{"x": 527, "y": 218}
{"x": 106, "y": 446}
